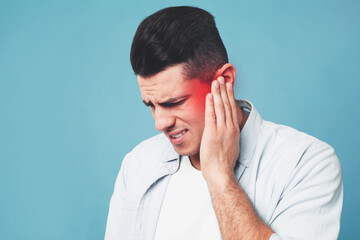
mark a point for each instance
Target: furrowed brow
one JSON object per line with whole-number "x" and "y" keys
{"x": 147, "y": 103}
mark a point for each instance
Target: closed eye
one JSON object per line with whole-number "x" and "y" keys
{"x": 173, "y": 104}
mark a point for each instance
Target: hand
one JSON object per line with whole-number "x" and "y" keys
{"x": 219, "y": 147}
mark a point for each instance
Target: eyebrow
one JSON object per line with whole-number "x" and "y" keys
{"x": 168, "y": 102}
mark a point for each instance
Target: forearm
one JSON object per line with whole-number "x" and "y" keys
{"x": 219, "y": 150}
{"x": 236, "y": 216}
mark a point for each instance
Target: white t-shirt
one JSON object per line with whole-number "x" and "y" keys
{"x": 187, "y": 212}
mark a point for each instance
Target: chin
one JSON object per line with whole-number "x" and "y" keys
{"x": 186, "y": 151}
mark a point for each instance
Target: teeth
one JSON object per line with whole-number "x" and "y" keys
{"x": 178, "y": 135}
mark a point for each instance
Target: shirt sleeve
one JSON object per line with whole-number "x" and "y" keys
{"x": 114, "y": 217}
{"x": 311, "y": 203}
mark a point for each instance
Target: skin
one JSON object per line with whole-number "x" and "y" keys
{"x": 213, "y": 122}
{"x": 174, "y": 117}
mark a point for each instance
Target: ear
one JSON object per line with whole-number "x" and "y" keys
{"x": 228, "y": 72}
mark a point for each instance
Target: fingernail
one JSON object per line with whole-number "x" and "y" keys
{"x": 221, "y": 80}
{"x": 216, "y": 84}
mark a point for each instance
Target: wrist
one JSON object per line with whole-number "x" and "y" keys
{"x": 220, "y": 180}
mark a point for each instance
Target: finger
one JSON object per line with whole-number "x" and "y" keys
{"x": 225, "y": 99}
{"x": 218, "y": 104}
{"x": 233, "y": 104}
{"x": 210, "y": 117}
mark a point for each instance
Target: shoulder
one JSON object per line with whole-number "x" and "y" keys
{"x": 292, "y": 167}
{"x": 281, "y": 139}
{"x": 304, "y": 182}
{"x": 297, "y": 156}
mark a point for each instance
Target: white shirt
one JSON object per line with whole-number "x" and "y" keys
{"x": 187, "y": 203}
{"x": 293, "y": 181}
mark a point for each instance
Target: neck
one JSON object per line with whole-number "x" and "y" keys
{"x": 242, "y": 118}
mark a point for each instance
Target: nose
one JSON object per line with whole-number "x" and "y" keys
{"x": 164, "y": 120}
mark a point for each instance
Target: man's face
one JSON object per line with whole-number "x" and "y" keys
{"x": 177, "y": 106}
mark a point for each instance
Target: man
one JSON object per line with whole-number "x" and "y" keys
{"x": 217, "y": 170}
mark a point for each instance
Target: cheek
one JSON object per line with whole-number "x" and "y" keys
{"x": 199, "y": 104}
{"x": 197, "y": 113}
{"x": 195, "y": 119}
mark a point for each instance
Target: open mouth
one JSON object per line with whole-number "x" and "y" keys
{"x": 176, "y": 136}
{"x": 179, "y": 137}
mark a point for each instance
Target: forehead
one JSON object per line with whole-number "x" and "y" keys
{"x": 166, "y": 84}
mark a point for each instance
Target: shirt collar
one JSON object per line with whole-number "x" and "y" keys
{"x": 171, "y": 154}
{"x": 250, "y": 132}
{"x": 248, "y": 136}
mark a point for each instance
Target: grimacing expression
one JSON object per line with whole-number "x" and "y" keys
{"x": 177, "y": 106}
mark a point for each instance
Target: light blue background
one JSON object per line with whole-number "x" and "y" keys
{"x": 70, "y": 107}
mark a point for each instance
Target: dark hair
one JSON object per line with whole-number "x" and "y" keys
{"x": 178, "y": 35}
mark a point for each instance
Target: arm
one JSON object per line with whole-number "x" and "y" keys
{"x": 236, "y": 216}
{"x": 219, "y": 150}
